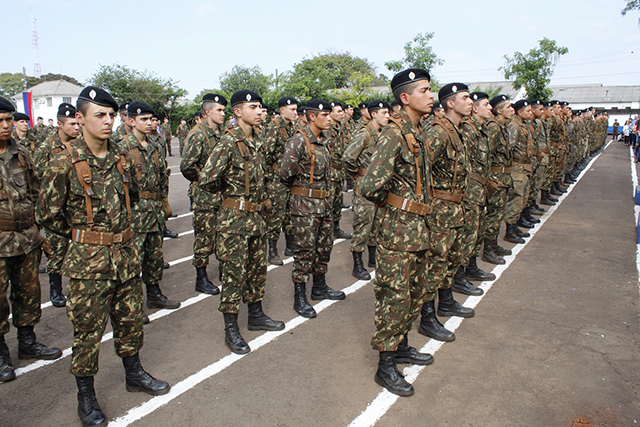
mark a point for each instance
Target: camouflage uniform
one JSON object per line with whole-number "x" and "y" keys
{"x": 41, "y": 133}
{"x": 19, "y": 238}
{"x": 120, "y": 133}
{"x": 157, "y": 138}
{"x": 521, "y": 143}
{"x": 311, "y": 217}
{"x": 183, "y": 132}
{"x": 500, "y": 178}
{"x": 241, "y": 241}
{"x": 165, "y": 130}
{"x": 200, "y": 142}
{"x": 29, "y": 141}
{"x": 540, "y": 141}
{"x": 104, "y": 278}
{"x": 336, "y": 146}
{"x": 399, "y": 171}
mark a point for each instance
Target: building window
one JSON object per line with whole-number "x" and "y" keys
{"x": 49, "y": 102}
{"x": 66, "y": 99}
{"x": 36, "y": 104}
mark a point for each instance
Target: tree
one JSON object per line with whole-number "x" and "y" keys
{"x": 241, "y": 77}
{"x": 534, "y": 69}
{"x": 11, "y": 83}
{"x": 417, "y": 54}
{"x": 126, "y": 84}
{"x": 52, "y": 76}
{"x": 631, "y": 5}
{"x": 490, "y": 90}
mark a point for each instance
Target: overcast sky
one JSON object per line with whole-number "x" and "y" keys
{"x": 194, "y": 42}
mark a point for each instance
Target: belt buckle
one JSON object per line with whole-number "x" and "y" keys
{"x": 310, "y": 192}
{"x": 241, "y": 205}
{"x": 18, "y": 225}
{"x": 503, "y": 168}
{"x": 404, "y": 204}
{"x": 117, "y": 238}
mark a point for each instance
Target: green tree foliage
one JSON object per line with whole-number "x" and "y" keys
{"x": 11, "y": 83}
{"x": 126, "y": 84}
{"x": 417, "y": 54}
{"x": 631, "y": 5}
{"x": 534, "y": 69}
{"x": 241, "y": 77}
{"x": 491, "y": 91}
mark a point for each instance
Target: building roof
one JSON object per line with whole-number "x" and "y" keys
{"x": 596, "y": 93}
{"x": 55, "y": 88}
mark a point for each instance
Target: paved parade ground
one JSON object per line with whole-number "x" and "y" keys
{"x": 554, "y": 341}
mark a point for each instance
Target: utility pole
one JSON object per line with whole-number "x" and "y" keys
{"x": 34, "y": 41}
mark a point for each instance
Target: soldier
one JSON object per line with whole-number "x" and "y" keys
{"x": 22, "y": 134}
{"x": 200, "y": 143}
{"x": 356, "y": 160}
{"x": 236, "y": 169}
{"x": 197, "y": 117}
{"x": 540, "y": 138}
{"x": 182, "y": 131}
{"x": 124, "y": 129}
{"x": 50, "y": 125}
{"x": 148, "y": 215}
{"x": 277, "y": 135}
{"x": 336, "y": 145}
{"x": 438, "y": 111}
{"x": 364, "y": 117}
{"x": 349, "y": 121}
{"x": 19, "y": 248}
{"x": 306, "y": 169}
{"x": 157, "y": 138}
{"x": 166, "y": 132}
{"x": 394, "y": 109}
{"x": 41, "y": 132}
{"x": 86, "y": 197}
{"x": 397, "y": 180}
{"x": 68, "y": 130}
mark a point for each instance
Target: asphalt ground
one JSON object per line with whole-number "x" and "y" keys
{"x": 554, "y": 341}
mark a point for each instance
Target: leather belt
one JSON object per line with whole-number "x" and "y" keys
{"x": 308, "y": 192}
{"x": 447, "y": 195}
{"x": 408, "y": 205}
{"x": 100, "y": 238}
{"x": 544, "y": 150}
{"x": 150, "y": 196}
{"x": 500, "y": 169}
{"x": 17, "y": 225}
{"x": 241, "y": 205}
{"x": 477, "y": 177}
{"x": 361, "y": 172}
{"x": 336, "y": 165}
{"x": 275, "y": 167}
{"x": 525, "y": 166}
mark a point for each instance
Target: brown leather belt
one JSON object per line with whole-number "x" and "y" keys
{"x": 361, "y": 172}
{"x": 447, "y": 195}
{"x": 16, "y": 225}
{"x": 477, "y": 177}
{"x": 100, "y": 238}
{"x": 241, "y": 205}
{"x": 150, "y": 196}
{"x": 544, "y": 150}
{"x": 500, "y": 169}
{"x": 408, "y": 205}
{"x": 525, "y": 166}
{"x": 275, "y": 167}
{"x": 308, "y": 192}
{"x": 336, "y": 165}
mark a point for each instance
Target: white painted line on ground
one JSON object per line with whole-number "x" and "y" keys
{"x": 181, "y": 216}
{"x": 379, "y": 406}
{"x": 179, "y": 235}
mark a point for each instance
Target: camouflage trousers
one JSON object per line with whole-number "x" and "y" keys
{"x": 549, "y": 174}
{"x": 400, "y": 288}
{"x": 472, "y": 231}
{"x": 20, "y": 275}
{"x": 495, "y": 212}
{"x": 149, "y": 247}
{"x": 537, "y": 181}
{"x": 204, "y": 233}
{"x": 337, "y": 199}
{"x": 280, "y": 218}
{"x": 363, "y": 214}
{"x": 313, "y": 237}
{"x": 91, "y": 303}
{"x": 560, "y": 165}
{"x": 244, "y": 269}
{"x": 181, "y": 146}
{"x": 445, "y": 256}
{"x": 57, "y": 248}
{"x": 517, "y": 196}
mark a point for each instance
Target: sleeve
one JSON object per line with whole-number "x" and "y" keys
{"x": 191, "y": 155}
{"x": 382, "y": 166}
{"x": 290, "y": 161}
{"x": 437, "y": 140}
{"x": 50, "y": 209}
{"x": 218, "y": 164}
{"x": 352, "y": 152}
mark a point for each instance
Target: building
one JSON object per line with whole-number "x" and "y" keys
{"x": 47, "y": 96}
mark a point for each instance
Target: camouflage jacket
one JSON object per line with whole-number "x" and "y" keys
{"x": 477, "y": 144}
{"x": 148, "y": 214}
{"x": 61, "y": 208}
{"x": 449, "y": 172}
{"x": 29, "y": 141}
{"x": 278, "y": 133}
{"x": 119, "y": 134}
{"x": 182, "y": 131}
{"x": 200, "y": 142}
{"x": 556, "y": 135}
{"x": 500, "y": 151}
{"x": 19, "y": 187}
{"x": 394, "y": 169}
{"x": 296, "y": 172}
{"x": 47, "y": 150}
{"x": 357, "y": 156}
{"x": 520, "y": 141}
{"x": 336, "y": 145}
{"x": 165, "y": 130}
{"x": 41, "y": 132}
{"x": 360, "y": 123}
{"x": 225, "y": 172}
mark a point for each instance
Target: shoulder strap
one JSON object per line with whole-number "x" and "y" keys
{"x": 312, "y": 155}
{"x": 244, "y": 152}
{"x": 283, "y": 133}
{"x": 83, "y": 172}
{"x": 135, "y": 153}
{"x": 446, "y": 125}
{"x": 121, "y": 165}
{"x": 414, "y": 148}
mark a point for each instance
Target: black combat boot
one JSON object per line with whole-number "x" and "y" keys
{"x": 166, "y": 266}
{"x": 523, "y": 222}
{"x": 407, "y": 354}
{"x": 300, "y": 303}
{"x": 545, "y": 199}
{"x": 389, "y": 377}
{"x": 520, "y": 233}
{"x": 203, "y": 284}
{"x": 155, "y": 299}
{"x": 290, "y": 249}
{"x": 55, "y": 291}
{"x": 137, "y": 379}
{"x": 447, "y": 306}
{"x": 273, "y": 257}
{"x": 320, "y": 290}
{"x": 145, "y": 318}
{"x": 463, "y": 286}
{"x": 338, "y": 233}
{"x": 258, "y": 321}
{"x": 526, "y": 212}
{"x": 359, "y": 271}
{"x": 431, "y": 327}
{"x": 511, "y": 236}
{"x": 168, "y": 233}
{"x": 88, "y": 409}
{"x": 560, "y": 187}
{"x": 535, "y": 209}
{"x": 554, "y": 190}
{"x": 372, "y": 256}
{"x": 499, "y": 250}
{"x": 568, "y": 179}
{"x": 489, "y": 255}
{"x": 473, "y": 272}
{"x": 28, "y": 348}
{"x": 232, "y": 337}
{"x": 7, "y": 371}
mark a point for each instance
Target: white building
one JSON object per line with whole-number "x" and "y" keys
{"x": 47, "y": 96}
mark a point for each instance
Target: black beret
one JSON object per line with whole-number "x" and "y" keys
{"x": 318, "y": 105}
{"x": 20, "y": 116}
{"x": 197, "y": 114}
{"x": 6, "y": 106}
{"x": 394, "y": 103}
{"x": 479, "y": 96}
{"x": 263, "y": 105}
{"x": 337, "y": 104}
{"x": 536, "y": 102}
{"x": 519, "y": 105}
{"x": 274, "y": 113}
{"x": 287, "y": 100}
{"x": 498, "y": 99}
{"x": 138, "y": 108}
{"x": 547, "y": 103}
{"x": 554, "y": 102}
{"x": 377, "y": 105}
{"x": 155, "y": 115}
{"x": 362, "y": 106}
{"x": 301, "y": 109}
{"x": 451, "y": 89}
{"x": 214, "y": 97}
{"x": 436, "y": 105}
{"x": 245, "y": 96}
{"x": 66, "y": 110}
{"x": 407, "y": 76}
{"x": 346, "y": 106}
{"x": 123, "y": 107}
{"x": 564, "y": 103}
{"x": 99, "y": 97}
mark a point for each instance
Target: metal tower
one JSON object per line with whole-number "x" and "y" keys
{"x": 34, "y": 40}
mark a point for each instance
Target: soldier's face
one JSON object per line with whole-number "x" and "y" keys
{"x": 216, "y": 114}
{"x": 98, "y": 121}
{"x": 337, "y": 114}
{"x": 249, "y": 112}
{"x": 22, "y": 125}
{"x": 289, "y": 112}
{"x": 537, "y": 111}
{"x": 365, "y": 113}
{"x": 40, "y": 121}
{"x": 421, "y": 99}
{"x": 6, "y": 126}
{"x": 142, "y": 123}
{"x": 381, "y": 116}
{"x": 525, "y": 113}
{"x": 154, "y": 124}
{"x": 438, "y": 112}
{"x": 50, "y": 122}
{"x": 348, "y": 112}
{"x": 70, "y": 127}
{"x": 483, "y": 109}
{"x": 322, "y": 120}
{"x": 462, "y": 103}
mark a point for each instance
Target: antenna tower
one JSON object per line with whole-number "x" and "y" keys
{"x": 34, "y": 41}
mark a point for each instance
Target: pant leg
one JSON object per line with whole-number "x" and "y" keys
{"x": 232, "y": 250}
{"x": 337, "y": 198}
{"x": 204, "y": 230}
{"x": 442, "y": 240}
{"x": 482, "y": 213}
{"x": 469, "y": 231}
{"x": 25, "y": 289}
{"x": 126, "y": 317}
{"x": 152, "y": 258}
{"x": 515, "y": 200}
{"x": 363, "y": 212}
{"x": 495, "y": 212}
{"x": 279, "y": 197}
{"x": 256, "y": 264}
{"x": 324, "y": 245}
